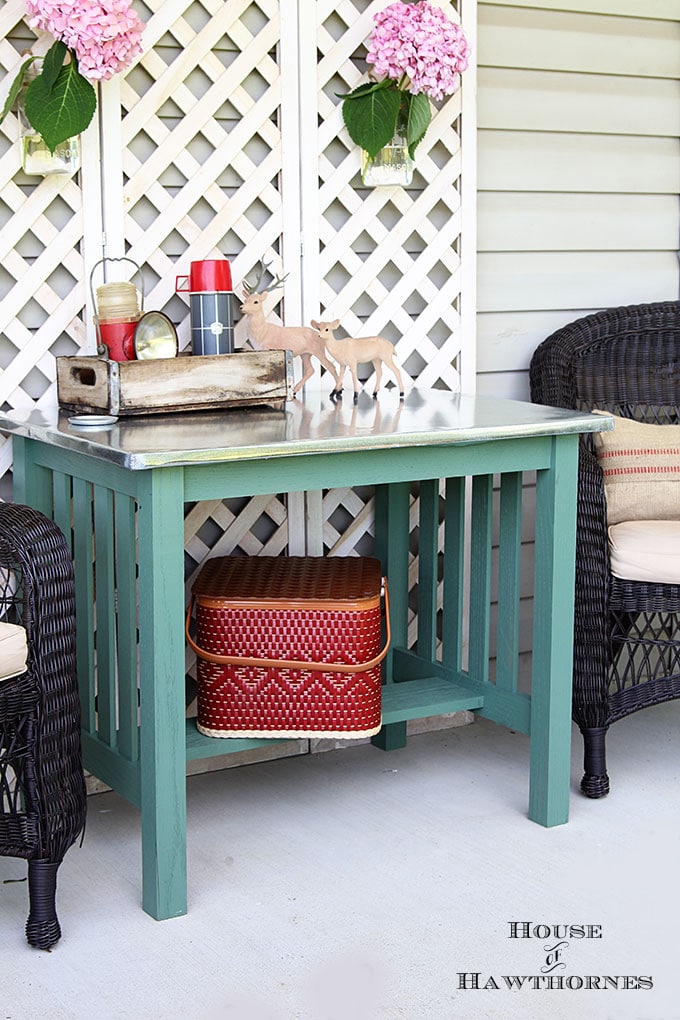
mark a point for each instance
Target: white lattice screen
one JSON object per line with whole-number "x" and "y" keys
{"x": 226, "y": 138}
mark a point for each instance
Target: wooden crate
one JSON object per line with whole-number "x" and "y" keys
{"x": 92, "y": 385}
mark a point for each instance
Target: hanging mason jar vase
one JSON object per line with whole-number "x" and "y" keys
{"x": 36, "y": 158}
{"x": 392, "y": 165}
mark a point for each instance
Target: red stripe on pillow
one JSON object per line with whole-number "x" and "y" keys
{"x": 644, "y": 469}
{"x": 655, "y": 451}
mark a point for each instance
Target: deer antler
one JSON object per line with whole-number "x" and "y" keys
{"x": 278, "y": 282}
{"x": 251, "y": 288}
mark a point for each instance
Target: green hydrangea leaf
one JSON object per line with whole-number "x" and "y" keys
{"x": 417, "y": 121}
{"x": 62, "y": 111}
{"x": 15, "y": 88}
{"x": 371, "y": 118}
{"x": 53, "y": 63}
{"x": 365, "y": 88}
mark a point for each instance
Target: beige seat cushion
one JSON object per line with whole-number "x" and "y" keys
{"x": 13, "y": 650}
{"x": 646, "y": 551}
{"x": 641, "y": 467}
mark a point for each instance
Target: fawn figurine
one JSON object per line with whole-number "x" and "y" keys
{"x": 358, "y": 351}
{"x": 302, "y": 341}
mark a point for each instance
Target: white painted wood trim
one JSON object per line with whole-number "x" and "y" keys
{"x": 665, "y": 10}
{"x": 468, "y": 229}
{"x": 91, "y": 184}
{"x": 294, "y": 152}
{"x": 112, "y": 168}
{"x": 309, "y": 168}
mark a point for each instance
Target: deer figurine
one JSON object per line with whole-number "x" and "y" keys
{"x": 302, "y": 341}
{"x": 358, "y": 351}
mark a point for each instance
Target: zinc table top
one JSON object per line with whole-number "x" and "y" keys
{"x": 312, "y": 425}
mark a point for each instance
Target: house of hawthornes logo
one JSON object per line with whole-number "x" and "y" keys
{"x": 553, "y": 943}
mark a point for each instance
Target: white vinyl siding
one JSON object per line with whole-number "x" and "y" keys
{"x": 578, "y": 169}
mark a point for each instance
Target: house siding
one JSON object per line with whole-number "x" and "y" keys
{"x": 579, "y": 169}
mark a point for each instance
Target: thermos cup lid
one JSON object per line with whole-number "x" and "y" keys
{"x": 206, "y": 276}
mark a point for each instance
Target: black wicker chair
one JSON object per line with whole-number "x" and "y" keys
{"x": 42, "y": 787}
{"x": 626, "y": 645}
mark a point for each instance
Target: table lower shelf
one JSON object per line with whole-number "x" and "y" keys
{"x": 413, "y": 699}
{"x": 416, "y": 699}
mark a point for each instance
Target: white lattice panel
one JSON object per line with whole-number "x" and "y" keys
{"x": 388, "y": 257}
{"x": 226, "y": 139}
{"x": 201, "y": 146}
{"x": 41, "y": 253}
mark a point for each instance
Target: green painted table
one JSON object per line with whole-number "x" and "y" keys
{"x": 119, "y": 495}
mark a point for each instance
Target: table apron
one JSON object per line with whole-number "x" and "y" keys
{"x": 365, "y": 467}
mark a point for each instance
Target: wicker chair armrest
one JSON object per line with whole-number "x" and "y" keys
{"x": 591, "y": 595}
{"x": 592, "y": 546}
{"x": 41, "y": 596}
{"x": 592, "y": 502}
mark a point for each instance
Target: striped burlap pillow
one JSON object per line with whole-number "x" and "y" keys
{"x": 641, "y": 466}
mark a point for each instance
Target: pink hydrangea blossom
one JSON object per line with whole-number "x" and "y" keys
{"x": 418, "y": 42}
{"x": 105, "y": 35}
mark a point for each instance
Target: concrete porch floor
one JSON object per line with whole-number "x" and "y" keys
{"x": 359, "y": 885}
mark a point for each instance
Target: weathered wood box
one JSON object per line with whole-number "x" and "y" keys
{"x": 92, "y": 385}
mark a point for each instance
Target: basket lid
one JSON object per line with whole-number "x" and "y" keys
{"x": 289, "y": 578}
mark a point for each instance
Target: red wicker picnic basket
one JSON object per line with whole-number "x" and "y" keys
{"x": 289, "y": 646}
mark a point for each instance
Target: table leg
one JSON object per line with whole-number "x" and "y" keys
{"x": 551, "y": 680}
{"x": 162, "y": 698}
{"x": 391, "y": 547}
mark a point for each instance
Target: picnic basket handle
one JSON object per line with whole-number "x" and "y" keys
{"x": 322, "y": 667}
